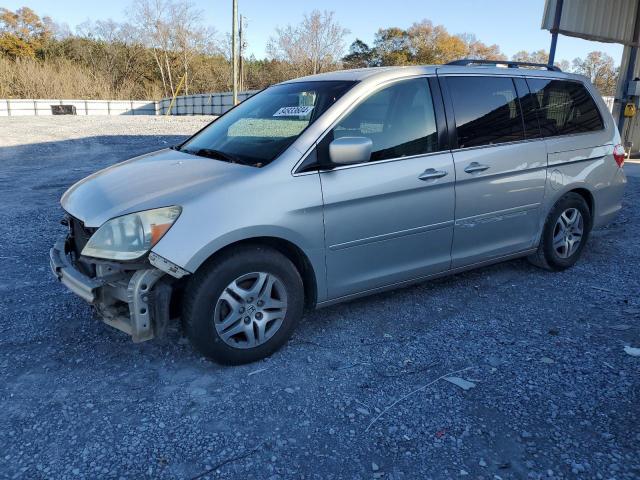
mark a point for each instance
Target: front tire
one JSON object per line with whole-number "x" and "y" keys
{"x": 565, "y": 234}
{"x": 243, "y": 305}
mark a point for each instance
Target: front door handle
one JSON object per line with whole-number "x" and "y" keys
{"x": 476, "y": 167}
{"x": 431, "y": 173}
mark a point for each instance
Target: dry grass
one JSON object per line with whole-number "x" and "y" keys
{"x": 58, "y": 78}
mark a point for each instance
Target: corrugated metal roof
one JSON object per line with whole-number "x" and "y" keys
{"x": 601, "y": 20}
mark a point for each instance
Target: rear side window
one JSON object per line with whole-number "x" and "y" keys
{"x": 486, "y": 109}
{"x": 564, "y": 107}
{"x": 399, "y": 119}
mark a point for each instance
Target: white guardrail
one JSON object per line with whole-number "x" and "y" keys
{"x": 17, "y": 108}
{"x": 203, "y": 104}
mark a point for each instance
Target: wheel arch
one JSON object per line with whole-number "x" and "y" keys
{"x": 290, "y": 250}
{"x": 588, "y": 198}
{"x": 582, "y": 189}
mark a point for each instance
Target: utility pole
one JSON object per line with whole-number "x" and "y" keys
{"x": 234, "y": 50}
{"x": 241, "y": 68}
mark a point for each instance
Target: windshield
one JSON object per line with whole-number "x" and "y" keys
{"x": 259, "y": 129}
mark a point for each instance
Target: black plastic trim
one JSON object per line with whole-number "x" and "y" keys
{"x": 450, "y": 114}
{"x": 441, "y": 117}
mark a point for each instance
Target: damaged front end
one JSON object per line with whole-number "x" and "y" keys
{"x": 133, "y": 297}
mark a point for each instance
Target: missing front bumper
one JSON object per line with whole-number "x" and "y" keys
{"x": 72, "y": 278}
{"x": 133, "y": 301}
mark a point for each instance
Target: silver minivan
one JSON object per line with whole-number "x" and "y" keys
{"x": 330, "y": 187}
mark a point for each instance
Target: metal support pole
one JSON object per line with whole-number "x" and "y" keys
{"x": 631, "y": 66}
{"x": 234, "y": 50}
{"x": 554, "y": 31}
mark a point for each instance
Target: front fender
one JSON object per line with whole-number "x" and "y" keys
{"x": 248, "y": 233}
{"x": 282, "y": 207}
{"x": 315, "y": 256}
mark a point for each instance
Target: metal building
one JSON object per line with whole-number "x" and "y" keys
{"x": 616, "y": 21}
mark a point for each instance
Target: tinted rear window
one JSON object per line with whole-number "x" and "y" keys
{"x": 486, "y": 109}
{"x": 564, "y": 107}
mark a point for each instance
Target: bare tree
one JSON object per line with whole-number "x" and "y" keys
{"x": 539, "y": 56}
{"x": 150, "y": 16}
{"x": 189, "y": 36}
{"x": 115, "y": 51}
{"x": 313, "y": 46}
{"x": 176, "y": 34}
{"x": 474, "y": 48}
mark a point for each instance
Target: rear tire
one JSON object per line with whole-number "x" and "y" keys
{"x": 565, "y": 234}
{"x": 243, "y": 305}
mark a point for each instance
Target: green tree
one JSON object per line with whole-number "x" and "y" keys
{"x": 23, "y": 33}
{"x": 600, "y": 69}
{"x": 433, "y": 44}
{"x": 14, "y": 47}
{"x": 392, "y": 47}
{"x": 359, "y": 56}
{"x": 424, "y": 43}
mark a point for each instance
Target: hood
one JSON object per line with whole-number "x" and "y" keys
{"x": 157, "y": 179}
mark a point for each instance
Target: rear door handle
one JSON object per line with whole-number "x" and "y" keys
{"x": 476, "y": 167}
{"x": 431, "y": 173}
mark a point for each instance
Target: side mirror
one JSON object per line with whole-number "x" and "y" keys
{"x": 348, "y": 150}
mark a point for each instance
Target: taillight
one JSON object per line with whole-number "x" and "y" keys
{"x": 619, "y": 154}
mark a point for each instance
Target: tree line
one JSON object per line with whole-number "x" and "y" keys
{"x": 166, "y": 48}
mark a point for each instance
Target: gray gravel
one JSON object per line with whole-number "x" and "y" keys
{"x": 550, "y": 391}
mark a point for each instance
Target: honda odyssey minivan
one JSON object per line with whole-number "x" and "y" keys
{"x": 330, "y": 187}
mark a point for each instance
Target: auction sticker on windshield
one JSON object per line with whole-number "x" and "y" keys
{"x": 294, "y": 111}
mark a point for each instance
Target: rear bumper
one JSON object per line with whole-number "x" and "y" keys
{"x": 608, "y": 200}
{"x": 133, "y": 300}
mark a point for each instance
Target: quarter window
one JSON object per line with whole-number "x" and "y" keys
{"x": 564, "y": 107}
{"x": 399, "y": 120}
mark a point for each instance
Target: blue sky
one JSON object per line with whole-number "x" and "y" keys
{"x": 512, "y": 24}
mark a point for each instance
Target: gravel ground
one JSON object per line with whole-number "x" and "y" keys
{"x": 355, "y": 393}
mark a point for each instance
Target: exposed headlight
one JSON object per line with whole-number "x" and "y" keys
{"x": 131, "y": 236}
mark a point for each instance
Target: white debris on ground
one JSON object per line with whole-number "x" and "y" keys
{"x": 460, "y": 382}
{"x": 634, "y": 352}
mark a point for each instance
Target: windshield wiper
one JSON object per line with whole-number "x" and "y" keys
{"x": 216, "y": 154}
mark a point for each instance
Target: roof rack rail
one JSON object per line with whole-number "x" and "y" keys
{"x": 470, "y": 61}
